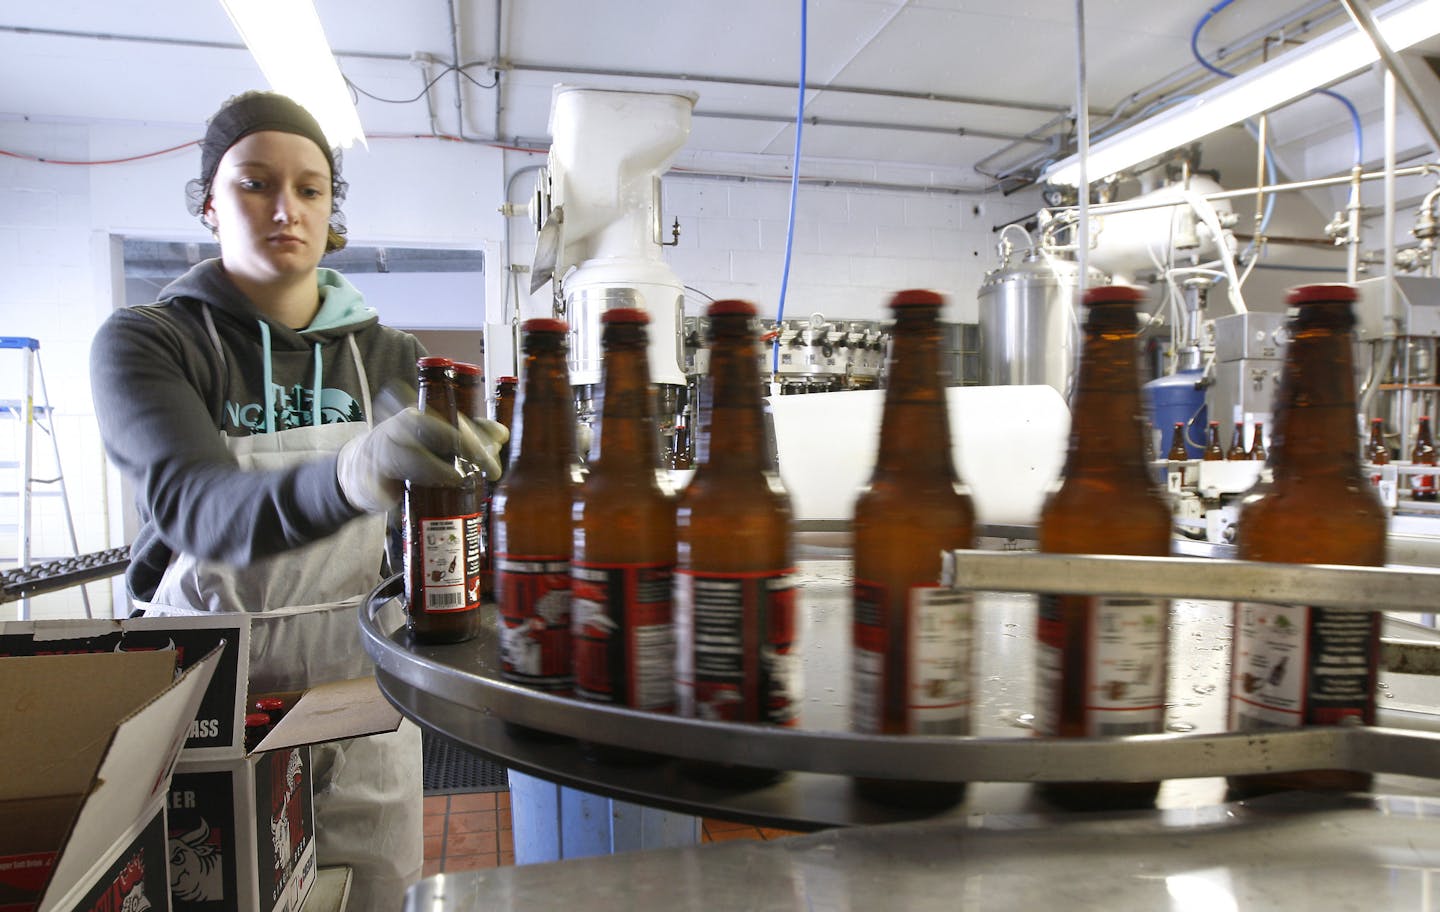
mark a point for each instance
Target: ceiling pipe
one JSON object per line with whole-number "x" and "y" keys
{"x": 537, "y": 67}
{"x": 868, "y": 125}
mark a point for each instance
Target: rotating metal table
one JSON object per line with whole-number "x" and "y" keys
{"x": 456, "y": 690}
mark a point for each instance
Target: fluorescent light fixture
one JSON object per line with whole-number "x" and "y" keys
{"x": 1270, "y": 85}
{"x": 286, "y": 40}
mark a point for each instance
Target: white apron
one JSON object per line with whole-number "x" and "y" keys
{"x": 368, "y": 791}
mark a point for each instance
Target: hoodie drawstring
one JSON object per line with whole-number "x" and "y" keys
{"x": 269, "y": 377}
{"x": 315, "y": 389}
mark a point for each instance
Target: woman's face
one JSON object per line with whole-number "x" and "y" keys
{"x": 270, "y": 206}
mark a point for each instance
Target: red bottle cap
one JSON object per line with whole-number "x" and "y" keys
{"x": 1308, "y": 294}
{"x": 916, "y": 297}
{"x": 731, "y": 307}
{"x": 257, "y": 720}
{"x": 625, "y": 315}
{"x": 270, "y": 704}
{"x": 430, "y": 361}
{"x": 508, "y": 380}
{"x": 1103, "y": 294}
{"x": 465, "y": 367}
{"x": 544, "y": 325}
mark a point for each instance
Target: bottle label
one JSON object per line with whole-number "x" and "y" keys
{"x": 475, "y": 550}
{"x": 450, "y": 561}
{"x": 1422, "y": 485}
{"x": 624, "y": 636}
{"x": 1124, "y": 665}
{"x": 533, "y": 597}
{"x": 934, "y": 665}
{"x": 1296, "y": 665}
{"x": 735, "y": 637}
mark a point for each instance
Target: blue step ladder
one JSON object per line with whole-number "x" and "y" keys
{"x": 19, "y": 463}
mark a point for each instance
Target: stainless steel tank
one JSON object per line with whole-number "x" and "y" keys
{"x": 1028, "y": 328}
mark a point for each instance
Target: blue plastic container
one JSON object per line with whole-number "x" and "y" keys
{"x": 1178, "y": 398}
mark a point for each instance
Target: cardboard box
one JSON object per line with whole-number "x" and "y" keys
{"x": 87, "y": 770}
{"x": 218, "y": 729}
{"x": 255, "y": 852}
{"x": 242, "y": 833}
{"x": 242, "y": 830}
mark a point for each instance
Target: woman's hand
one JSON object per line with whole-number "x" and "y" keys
{"x": 372, "y": 468}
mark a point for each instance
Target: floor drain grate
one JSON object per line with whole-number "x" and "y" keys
{"x": 449, "y": 768}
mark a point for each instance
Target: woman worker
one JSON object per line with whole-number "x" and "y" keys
{"x": 241, "y": 405}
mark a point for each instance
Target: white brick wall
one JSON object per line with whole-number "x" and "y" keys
{"x": 852, "y": 249}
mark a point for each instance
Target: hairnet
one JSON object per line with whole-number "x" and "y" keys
{"x": 253, "y": 112}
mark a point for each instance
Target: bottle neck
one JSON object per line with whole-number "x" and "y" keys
{"x": 915, "y": 423}
{"x": 731, "y": 401}
{"x": 544, "y": 433}
{"x": 1315, "y": 408}
{"x": 468, "y": 401}
{"x": 627, "y": 437}
{"x": 1106, "y": 423}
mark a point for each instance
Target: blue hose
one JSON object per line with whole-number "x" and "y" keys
{"x": 794, "y": 189}
{"x": 1199, "y": 58}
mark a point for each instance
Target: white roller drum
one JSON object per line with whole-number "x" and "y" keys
{"x": 1008, "y": 442}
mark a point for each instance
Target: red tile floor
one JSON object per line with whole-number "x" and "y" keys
{"x": 469, "y": 831}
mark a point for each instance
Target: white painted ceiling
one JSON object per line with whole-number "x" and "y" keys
{"x": 998, "y": 70}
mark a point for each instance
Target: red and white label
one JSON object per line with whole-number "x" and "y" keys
{"x": 450, "y": 561}
{"x": 1296, "y": 665}
{"x": 623, "y": 632}
{"x": 735, "y": 638}
{"x": 931, "y": 679}
{"x": 1124, "y": 670}
{"x": 532, "y": 594}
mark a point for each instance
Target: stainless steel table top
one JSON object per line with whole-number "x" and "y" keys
{"x": 454, "y": 690}
{"x": 1281, "y": 853}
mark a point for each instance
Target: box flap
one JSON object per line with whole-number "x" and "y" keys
{"x": 219, "y": 723}
{"x": 136, "y": 768}
{"x": 330, "y": 712}
{"x": 53, "y": 732}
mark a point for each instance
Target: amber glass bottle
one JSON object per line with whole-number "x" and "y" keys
{"x": 1377, "y": 453}
{"x": 469, "y": 389}
{"x": 442, "y": 533}
{"x": 1237, "y": 449}
{"x": 1178, "y": 456}
{"x": 624, "y": 520}
{"x": 1422, "y": 487}
{"x": 1296, "y": 665}
{"x": 504, "y": 412}
{"x": 469, "y": 382}
{"x": 912, "y": 638}
{"x": 1213, "y": 451}
{"x": 734, "y": 590}
{"x": 531, "y": 510}
{"x": 1101, "y": 661}
{"x": 1257, "y": 444}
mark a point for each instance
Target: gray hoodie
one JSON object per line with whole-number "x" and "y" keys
{"x": 164, "y": 395}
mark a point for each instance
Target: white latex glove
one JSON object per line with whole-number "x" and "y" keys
{"x": 412, "y": 445}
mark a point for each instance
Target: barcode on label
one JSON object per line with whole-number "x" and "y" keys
{"x": 865, "y": 691}
{"x": 440, "y": 601}
{"x": 1119, "y": 729}
{"x": 654, "y": 666}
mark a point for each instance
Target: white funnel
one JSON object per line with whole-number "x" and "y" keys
{"x": 608, "y": 150}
